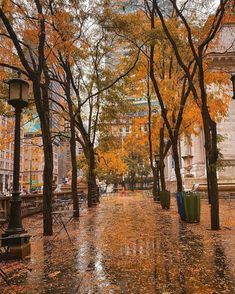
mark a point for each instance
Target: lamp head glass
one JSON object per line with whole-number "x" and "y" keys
{"x": 18, "y": 92}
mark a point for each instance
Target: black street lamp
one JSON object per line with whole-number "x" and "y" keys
{"x": 18, "y": 98}
{"x": 233, "y": 81}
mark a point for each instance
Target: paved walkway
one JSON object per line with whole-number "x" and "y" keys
{"x": 128, "y": 244}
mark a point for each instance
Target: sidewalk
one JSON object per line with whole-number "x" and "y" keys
{"x": 128, "y": 244}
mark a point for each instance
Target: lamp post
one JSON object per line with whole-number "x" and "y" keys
{"x": 233, "y": 81}
{"x": 18, "y": 98}
{"x": 30, "y": 175}
{"x": 157, "y": 160}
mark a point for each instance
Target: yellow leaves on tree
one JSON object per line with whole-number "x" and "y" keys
{"x": 6, "y": 133}
{"x": 7, "y": 6}
{"x": 111, "y": 163}
{"x": 137, "y": 138}
{"x": 137, "y": 141}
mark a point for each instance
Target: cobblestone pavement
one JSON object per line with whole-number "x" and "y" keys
{"x": 128, "y": 244}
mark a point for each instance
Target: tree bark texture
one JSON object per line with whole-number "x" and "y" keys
{"x": 162, "y": 175}
{"x": 74, "y": 167}
{"x": 74, "y": 183}
{"x": 155, "y": 183}
{"x": 177, "y": 166}
{"x": 161, "y": 163}
{"x": 93, "y": 197}
{"x": 43, "y": 112}
{"x": 210, "y": 131}
{"x": 132, "y": 181}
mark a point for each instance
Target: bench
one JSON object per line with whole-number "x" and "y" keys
{"x": 226, "y": 190}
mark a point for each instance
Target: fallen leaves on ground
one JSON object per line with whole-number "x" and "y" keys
{"x": 128, "y": 244}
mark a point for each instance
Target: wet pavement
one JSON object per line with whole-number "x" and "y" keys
{"x": 128, "y": 244}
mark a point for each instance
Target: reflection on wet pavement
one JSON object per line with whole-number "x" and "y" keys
{"x": 129, "y": 245}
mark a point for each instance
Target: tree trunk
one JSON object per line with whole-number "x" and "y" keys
{"x": 47, "y": 183}
{"x": 74, "y": 183}
{"x": 88, "y": 148}
{"x": 93, "y": 197}
{"x": 208, "y": 182}
{"x": 177, "y": 166}
{"x": 132, "y": 181}
{"x": 154, "y": 171}
{"x": 155, "y": 184}
{"x": 43, "y": 112}
{"x": 215, "y": 223}
{"x": 91, "y": 188}
{"x": 161, "y": 163}
{"x": 74, "y": 167}
{"x": 210, "y": 131}
{"x": 162, "y": 175}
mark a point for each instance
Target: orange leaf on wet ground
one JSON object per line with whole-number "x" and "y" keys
{"x": 54, "y": 274}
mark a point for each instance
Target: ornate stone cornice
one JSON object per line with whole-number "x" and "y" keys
{"x": 221, "y": 61}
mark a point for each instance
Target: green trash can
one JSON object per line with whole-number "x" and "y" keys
{"x": 165, "y": 199}
{"x": 192, "y": 206}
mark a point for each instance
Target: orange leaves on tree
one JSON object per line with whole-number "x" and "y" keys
{"x": 6, "y": 134}
{"x": 111, "y": 162}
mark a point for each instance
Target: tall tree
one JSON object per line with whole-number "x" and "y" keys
{"x": 30, "y": 46}
{"x": 168, "y": 80}
{"x": 89, "y": 73}
{"x": 198, "y": 42}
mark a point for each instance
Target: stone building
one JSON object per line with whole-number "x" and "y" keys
{"x": 192, "y": 153}
{"x": 32, "y": 147}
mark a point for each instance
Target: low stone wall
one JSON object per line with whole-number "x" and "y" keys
{"x": 225, "y": 188}
{"x": 31, "y": 203}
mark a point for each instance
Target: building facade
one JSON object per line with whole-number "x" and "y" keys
{"x": 192, "y": 150}
{"x": 6, "y": 154}
{"x": 32, "y": 147}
